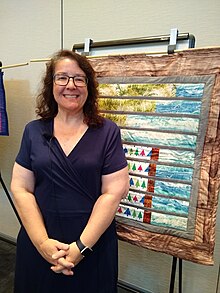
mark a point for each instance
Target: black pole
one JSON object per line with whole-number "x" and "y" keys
{"x": 173, "y": 274}
{"x": 180, "y": 274}
{"x": 9, "y": 198}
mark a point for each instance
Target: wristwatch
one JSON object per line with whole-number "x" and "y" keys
{"x": 84, "y": 250}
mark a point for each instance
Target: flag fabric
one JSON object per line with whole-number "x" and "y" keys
{"x": 3, "y": 113}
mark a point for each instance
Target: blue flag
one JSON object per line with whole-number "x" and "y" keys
{"x": 3, "y": 113}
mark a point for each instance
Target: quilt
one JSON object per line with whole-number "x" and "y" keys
{"x": 167, "y": 108}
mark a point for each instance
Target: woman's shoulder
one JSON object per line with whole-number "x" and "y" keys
{"x": 109, "y": 129}
{"x": 37, "y": 123}
{"x": 109, "y": 123}
{"x": 38, "y": 127}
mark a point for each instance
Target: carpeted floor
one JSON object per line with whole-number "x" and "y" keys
{"x": 7, "y": 265}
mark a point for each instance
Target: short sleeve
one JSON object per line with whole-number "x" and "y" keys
{"x": 114, "y": 157}
{"x": 23, "y": 157}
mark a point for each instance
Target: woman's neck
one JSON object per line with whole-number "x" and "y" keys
{"x": 69, "y": 118}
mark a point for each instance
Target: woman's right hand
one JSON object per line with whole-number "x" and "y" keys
{"x": 49, "y": 247}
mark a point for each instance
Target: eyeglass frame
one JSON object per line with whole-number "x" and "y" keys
{"x": 73, "y": 78}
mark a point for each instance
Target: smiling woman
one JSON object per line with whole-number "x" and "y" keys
{"x": 68, "y": 180}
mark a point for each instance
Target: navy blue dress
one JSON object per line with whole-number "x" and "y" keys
{"x": 66, "y": 189}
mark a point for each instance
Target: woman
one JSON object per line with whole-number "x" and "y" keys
{"x": 68, "y": 179}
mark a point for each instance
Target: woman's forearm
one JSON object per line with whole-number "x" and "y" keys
{"x": 22, "y": 188}
{"x": 114, "y": 187}
{"x": 31, "y": 217}
{"x": 33, "y": 223}
{"x": 102, "y": 215}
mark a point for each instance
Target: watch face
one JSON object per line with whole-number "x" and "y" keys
{"x": 86, "y": 251}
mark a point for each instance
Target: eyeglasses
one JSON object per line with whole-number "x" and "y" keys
{"x": 63, "y": 79}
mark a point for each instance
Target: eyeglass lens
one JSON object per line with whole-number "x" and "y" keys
{"x": 63, "y": 80}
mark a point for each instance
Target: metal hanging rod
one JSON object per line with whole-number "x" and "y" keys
{"x": 134, "y": 41}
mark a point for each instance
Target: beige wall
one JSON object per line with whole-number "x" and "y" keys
{"x": 106, "y": 20}
{"x": 32, "y": 29}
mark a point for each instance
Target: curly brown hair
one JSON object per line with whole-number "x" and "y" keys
{"x": 47, "y": 107}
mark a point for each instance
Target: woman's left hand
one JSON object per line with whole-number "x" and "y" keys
{"x": 65, "y": 263}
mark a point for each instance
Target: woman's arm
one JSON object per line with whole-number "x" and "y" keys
{"x": 22, "y": 187}
{"x": 115, "y": 186}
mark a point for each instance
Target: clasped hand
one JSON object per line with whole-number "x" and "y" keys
{"x": 62, "y": 256}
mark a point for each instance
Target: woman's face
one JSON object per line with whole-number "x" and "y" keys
{"x": 70, "y": 98}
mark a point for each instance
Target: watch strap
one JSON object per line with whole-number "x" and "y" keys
{"x": 84, "y": 250}
{"x": 80, "y": 245}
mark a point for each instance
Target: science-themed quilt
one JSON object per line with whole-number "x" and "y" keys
{"x": 167, "y": 108}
